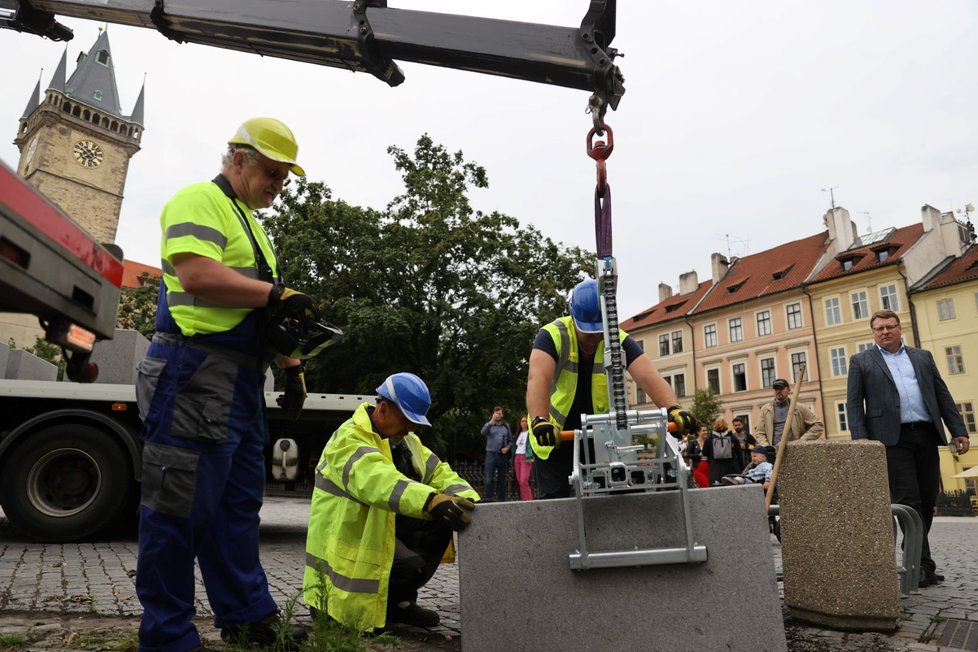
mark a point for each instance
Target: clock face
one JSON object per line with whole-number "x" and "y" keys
{"x": 87, "y": 153}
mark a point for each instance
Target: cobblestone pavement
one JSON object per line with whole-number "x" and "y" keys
{"x": 97, "y": 578}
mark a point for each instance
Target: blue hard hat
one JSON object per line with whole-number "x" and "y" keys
{"x": 409, "y": 394}
{"x": 585, "y": 307}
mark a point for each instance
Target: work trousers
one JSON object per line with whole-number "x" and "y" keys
{"x": 203, "y": 477}
{"x": 419, "y": 547}
{"x": 497, "y": 468}
{"x": 913, "y": 471}
{"x": 522, "y": 469}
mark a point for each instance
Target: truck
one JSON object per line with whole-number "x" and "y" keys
{"x": 70, "y": 452}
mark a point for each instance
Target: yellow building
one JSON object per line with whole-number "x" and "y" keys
{"x": 946, "y": 308}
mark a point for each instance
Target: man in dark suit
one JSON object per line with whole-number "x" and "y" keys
{"x": 897, "y": 396}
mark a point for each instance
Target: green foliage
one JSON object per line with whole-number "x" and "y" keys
{"x": 137, "y": 306}
{"x": 427, "y": 285}
{"x": 12, "y": 641}
{"x": 706, "y": 406}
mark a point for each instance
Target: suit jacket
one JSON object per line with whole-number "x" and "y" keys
{"x": 873, "y": 404}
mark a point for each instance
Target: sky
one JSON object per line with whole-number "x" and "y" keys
{"x": 738, "y": 117}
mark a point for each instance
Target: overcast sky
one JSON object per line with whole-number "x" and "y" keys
{"x": 736, "y": 115}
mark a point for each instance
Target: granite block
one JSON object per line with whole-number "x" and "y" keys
{"x": 117, "y": 358}
{"x": 22, "y": 365}
{"x": 837, "y": 535}
{"x": 518, "y": 592}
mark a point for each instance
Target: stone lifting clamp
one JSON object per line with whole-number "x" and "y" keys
{"x": 619, "y": 440}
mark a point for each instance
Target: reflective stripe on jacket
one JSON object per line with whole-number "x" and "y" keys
{"x": 564, "y": 386}
{"x": 358, "y": 493}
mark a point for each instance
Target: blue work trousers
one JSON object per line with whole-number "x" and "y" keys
{"x": 497, "y": 466}
{"x": 203, "y": 481}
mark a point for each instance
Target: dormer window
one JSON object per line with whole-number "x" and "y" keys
{"x": 782, "y": 273}
{"x": 733, "y": 287}
{"x": 102, "y": 57}
{"x": 97, "y": 95}
{"x": 883, "y": 255}
{"x": 847, "y": 264}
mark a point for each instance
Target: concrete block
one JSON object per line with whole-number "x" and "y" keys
{"x": 117, "y": 358}
{"x": 837, "y": 544}
{"x": 517, "y": 591}
{"x": 22, "y": 365}
{"x": 4, "y": 353}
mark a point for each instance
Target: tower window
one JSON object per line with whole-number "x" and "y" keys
{"x": 97, "y": 95}
{"x": 102, "y": 57}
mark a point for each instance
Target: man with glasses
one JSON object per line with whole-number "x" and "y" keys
{"x": 201, "y": 396}
{"x": 896, "y": 396}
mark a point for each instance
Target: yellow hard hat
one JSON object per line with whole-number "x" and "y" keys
{"x": 270, "y": 137}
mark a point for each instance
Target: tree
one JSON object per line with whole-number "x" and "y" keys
{"x": 427, "y": 285}
{"x": 137, "y": 306}
{"x": 706, "y": 406}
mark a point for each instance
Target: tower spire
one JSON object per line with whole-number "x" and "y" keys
{"x": 35, "y": 100}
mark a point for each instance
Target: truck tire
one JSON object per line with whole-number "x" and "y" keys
{"x": 66, "y": 482}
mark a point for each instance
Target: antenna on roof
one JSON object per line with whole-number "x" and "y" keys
{"x": 869, "y": 221}
{"x": 831, "y": 192}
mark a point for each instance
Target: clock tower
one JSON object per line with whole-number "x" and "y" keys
{"x": 75, "y": 143}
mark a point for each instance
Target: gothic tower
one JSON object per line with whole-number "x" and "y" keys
{"x": 75, "y": 143}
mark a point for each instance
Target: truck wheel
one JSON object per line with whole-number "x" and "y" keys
{"x": 66, "y": 482}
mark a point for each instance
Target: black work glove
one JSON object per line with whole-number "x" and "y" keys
{"x": 294, "y": 396}
{"x": 292, "y": 303}
{"x": 453, "y": 509}
{"x": 546, "y": 432}
{"x": 685, "y": 422}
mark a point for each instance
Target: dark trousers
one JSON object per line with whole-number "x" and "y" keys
{"x": 497, "y": 468}
{"x": 419, "y": 547}
{"x": 913, "y": 470}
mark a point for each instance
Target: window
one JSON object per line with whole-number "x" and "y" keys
{"x": 641, "y": 344}
{"x": 794, "y": 315}
{"x": 945, "y": 309}
{"x": 663, "y": 345}
{"x": 739, "y": 377}
{"x": 888, "y": 298}
{"x": 840, "y": 412}
{"x": 866, "y": 345}
{"x": 838, "y": 358}
{"x": 746, "y": 419}
{"x": 736, "y": 329}
{"x": 883, "y": 255}
{"x": 710, "y": 335}
{"x": 679, "y": 384}
{"x": 677, "y": 341}
{"x": 767, "y": 372}
{"x": 847, "y": 264}
{"x": 640, "y": 397}
{"x": 797, "y": 360}
{"x": 833, "y": 314}
{"x": 713, "y": 380}
{"x": 97, "y": 95}
{"x": 967, "y": 411}
{"x": 102, "y": 57}
{"x": 860, "y": 305}
{"x": 955, "y": 361}
{"x": 764, "y": 323}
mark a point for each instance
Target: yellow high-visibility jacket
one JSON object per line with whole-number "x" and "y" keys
{"x": 358, "y": 493}
{"x": 564, "y": 385}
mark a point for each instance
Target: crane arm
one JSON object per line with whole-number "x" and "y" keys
{"x": 362, "y": 36}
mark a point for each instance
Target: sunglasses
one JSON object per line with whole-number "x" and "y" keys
{"x": 276, "y": 175}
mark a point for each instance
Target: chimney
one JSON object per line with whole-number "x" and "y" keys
{"x": 720, "y": 266}
{"x": 930, "y": 216}
{"x": 664, "y": 292}
{"x": 688, "y": 282}
{"x": 841, "y": 229}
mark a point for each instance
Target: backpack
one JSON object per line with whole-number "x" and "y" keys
{"x": 722, "y": 447}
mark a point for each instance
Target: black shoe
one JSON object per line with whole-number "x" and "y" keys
{"x": 266, "y": 632}
{"x": 413, "y": 615}
{"x": 927, "y": 578}
{"x": 940, "y": 578}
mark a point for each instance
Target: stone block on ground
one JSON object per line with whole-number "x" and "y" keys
{"x": 518, "y": 592}
{"x": 837, "y": 542}
{"x": 4, "y": 354}
{"x": 117, "y": 358}
{"x": 22, "y": 365}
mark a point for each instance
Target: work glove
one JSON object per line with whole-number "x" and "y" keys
{"x": 292, "y": 303}
{"x": 294, "y": 396}
{"x": 546, "y": 432}
{"x": 453, "y": 509}
{"x": 685, "y": 422}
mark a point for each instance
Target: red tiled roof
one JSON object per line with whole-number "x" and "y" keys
{"x": 964, "y": 268}
{"x": 132, "y": 271}
{"x": 671, "y": 308}
{"x": 769, "y": 272}
{"x": 865, "y": 258}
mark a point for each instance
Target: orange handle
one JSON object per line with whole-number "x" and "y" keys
{"x": 568, "y": 435}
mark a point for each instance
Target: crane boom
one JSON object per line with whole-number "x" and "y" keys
{"x": 362, "y": 36}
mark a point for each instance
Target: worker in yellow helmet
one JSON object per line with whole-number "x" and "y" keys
{"x": 201, "y": 395}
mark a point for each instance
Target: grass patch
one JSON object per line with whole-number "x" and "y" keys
{"x": 12, "y": 641}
